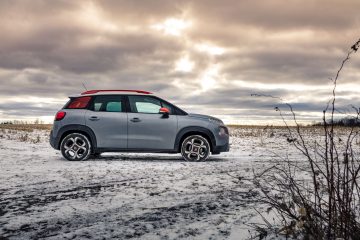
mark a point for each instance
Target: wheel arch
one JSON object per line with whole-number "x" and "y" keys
{"x": 194, "y": 130}
{"x": 76, "y": 128}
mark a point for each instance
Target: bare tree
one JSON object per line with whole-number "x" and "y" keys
{"x": 327, "y": 204}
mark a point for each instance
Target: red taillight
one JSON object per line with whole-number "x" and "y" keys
{"x": 59, "y": 115}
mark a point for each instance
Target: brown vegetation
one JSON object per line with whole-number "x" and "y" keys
{"x": 319, "y": 198}
{"x": 26, "y": 127}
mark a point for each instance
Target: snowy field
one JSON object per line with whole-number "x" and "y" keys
{"x": 132, "y": 196}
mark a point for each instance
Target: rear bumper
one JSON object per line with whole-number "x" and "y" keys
{"x": 52, "y": 139}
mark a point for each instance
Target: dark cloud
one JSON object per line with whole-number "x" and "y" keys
{"x": 282, "y": 66}
{"x": 47, "y": 50}
{"x": 279, "y": 14}
{"x": 29, "y": 109}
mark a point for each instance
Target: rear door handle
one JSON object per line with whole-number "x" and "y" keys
{"x": 94, "y": 118}
{"x": 135, "y": 120}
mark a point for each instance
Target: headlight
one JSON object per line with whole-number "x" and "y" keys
{"x": 216, "y": 121}
{"x": 223, "y": 131}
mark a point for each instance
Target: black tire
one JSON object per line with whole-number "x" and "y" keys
{"x": 75, "y": 147}
{"x": 195, "y": 148}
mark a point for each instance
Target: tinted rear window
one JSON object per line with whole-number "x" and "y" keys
{"x": 79, "y": 103}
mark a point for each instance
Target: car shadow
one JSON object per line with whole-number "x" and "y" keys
{"x": 152, "y": 158}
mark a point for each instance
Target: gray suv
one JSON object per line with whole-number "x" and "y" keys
{"x": 98, "y": 121}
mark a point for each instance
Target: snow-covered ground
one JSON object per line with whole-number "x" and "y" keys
{"x": 131, "y": 196}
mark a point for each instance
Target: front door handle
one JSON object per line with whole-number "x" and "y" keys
{"x": 135, "y": 119}
{"x": 94, "y": 118}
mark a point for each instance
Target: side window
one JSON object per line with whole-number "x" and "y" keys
{"x": 108, "y": 104}
{"x": 144, "y": 104}
{"x": 97, "y": 106}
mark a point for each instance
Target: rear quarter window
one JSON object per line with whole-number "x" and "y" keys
{"x": 79, "y": 103}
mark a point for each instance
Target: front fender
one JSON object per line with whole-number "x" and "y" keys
{"x": 195, "y": 130}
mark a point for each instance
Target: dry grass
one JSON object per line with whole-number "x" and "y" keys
{"x": 32, "y": 133}
{"x": 26, "y": 127}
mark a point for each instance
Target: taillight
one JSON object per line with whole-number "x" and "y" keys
{"x": 60, "y": 115}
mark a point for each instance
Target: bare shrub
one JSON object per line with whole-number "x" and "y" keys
{"x": 318, "y": 199}
{"x": 24, "y": 137}
{"x": 37, "y": 139}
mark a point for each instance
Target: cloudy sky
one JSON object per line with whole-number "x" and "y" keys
{"x": 206, "y": 56}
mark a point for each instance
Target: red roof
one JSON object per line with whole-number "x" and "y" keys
{"x": 109, "y": 90}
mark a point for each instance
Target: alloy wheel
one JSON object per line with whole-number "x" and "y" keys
{"x": 75, "y": 147}
{"x": 195, "y": 148}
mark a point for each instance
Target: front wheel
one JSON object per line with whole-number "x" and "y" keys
{"x": 195, "y": 148}
{"x": 75, "y": 147}
{"x": 95, "y": 155}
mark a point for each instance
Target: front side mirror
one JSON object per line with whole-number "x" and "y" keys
{"x": 164, "y": 111}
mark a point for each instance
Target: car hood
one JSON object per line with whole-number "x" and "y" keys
{"x": 202, "y": 116}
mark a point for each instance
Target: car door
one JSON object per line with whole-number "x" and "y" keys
{"x": 107, "y": 117}
{"x": 147, "y": 128}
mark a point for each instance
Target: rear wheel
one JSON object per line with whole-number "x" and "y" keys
{"x": 75, "y": 147}
{"x": 195, "y": 148}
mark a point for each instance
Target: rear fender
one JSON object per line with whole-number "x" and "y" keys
{"x": 63, "y": 131}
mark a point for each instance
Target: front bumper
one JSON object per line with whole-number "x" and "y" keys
{"x": 222, "y": 139}
{"x": 222, "y": 148}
